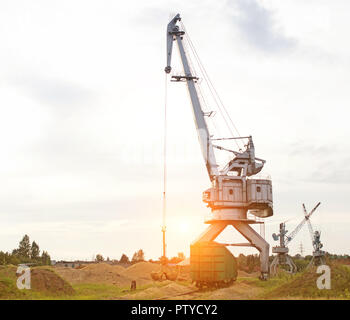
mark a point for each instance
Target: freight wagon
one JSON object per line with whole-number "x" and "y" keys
{"x": 212, "y": 265}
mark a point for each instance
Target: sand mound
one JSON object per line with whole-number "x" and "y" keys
{"x": 43, "y": 280}
{"x": 238, "y": 291}
{"x": 96, "y": 273}
{"x": 141, "y": 270}
{"x": 103, "y": 267}
{"x": 174, "y": 289}
{"x": 47, "y": 281}
{"x": 244, "y": 274}
{"x": 110, "y": 274}
{"x": 162, "y": 292}
{"x": 117, "y": 268}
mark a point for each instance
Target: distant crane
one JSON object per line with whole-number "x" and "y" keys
{"x": 317, "y": 254}
{"x": 282, "y": 257}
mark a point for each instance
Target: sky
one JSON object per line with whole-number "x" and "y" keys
{"x": 82, "y": 98}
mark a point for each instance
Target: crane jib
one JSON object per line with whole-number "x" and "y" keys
{"x": 201, "y": 126}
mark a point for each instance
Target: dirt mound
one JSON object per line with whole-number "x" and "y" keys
{"x": 238, "y": 291}
{"x": 168, "y": 290}
{"x": 110, "y": 274}
{"x": 141, "y": 270}
{"x": 174, "y": 288}
{"x": 47, "y": 281}
{"x": 184, "y": 273}
{"x": 43, "y": 280}
{"x": 103, "y": 267}
{"x": 244, "y": 274}
{"x": 118, "y": 268}
{"x": 96, "y": 273}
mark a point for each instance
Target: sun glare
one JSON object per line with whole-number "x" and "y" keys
{"x": 184, "y": 227}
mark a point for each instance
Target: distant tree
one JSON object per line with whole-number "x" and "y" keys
{"x": 138, "y": 256}
{"x": 11, "y": 259}
{"x": 124, "y": 259}
{"x": 99, "y": 258}
{"x": 35, "y": 251}
{"x": 252, "y": 262}
{"x": 108, "y": 259}
{"x": 2, "y": 258}
{"x": 45, "y": 258}
{"x": 24, "y": 247}
{"x": 163, "y": 260}
{"x": 181, "y": 256}
{"x": 141, "y": 255}
{"x": 242, "y": 262}
{"x": 175, "y": 260}
{"x": 25, "y": 253}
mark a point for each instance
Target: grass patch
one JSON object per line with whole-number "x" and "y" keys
{"x": 304, "y": 286}
{"x": 273, "y": 282}
{"x": 44, "y": 282}
{"x": 93, "y": 291}
{"x": 50, "y": 286}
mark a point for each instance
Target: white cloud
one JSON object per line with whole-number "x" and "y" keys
{"x": 258, "y": 27}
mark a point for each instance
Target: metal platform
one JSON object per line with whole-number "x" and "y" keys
{"x": 231, "y": 221}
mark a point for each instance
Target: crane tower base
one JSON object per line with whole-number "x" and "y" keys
{"x": 282, "y": 258}
{"x": 244, "y": 228}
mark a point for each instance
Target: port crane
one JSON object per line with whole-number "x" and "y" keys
{"x": 282, "y": 257}
{"x": 234, "y": 190}
{"x": 317, "y": 254}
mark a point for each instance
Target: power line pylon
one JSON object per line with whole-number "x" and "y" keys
{"x": 301, "y": 250}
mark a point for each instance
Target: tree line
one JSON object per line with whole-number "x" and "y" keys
{"x": 251, "y": 263}
{"x": 25, "y": 253}
{"x": 139, "y": 256}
